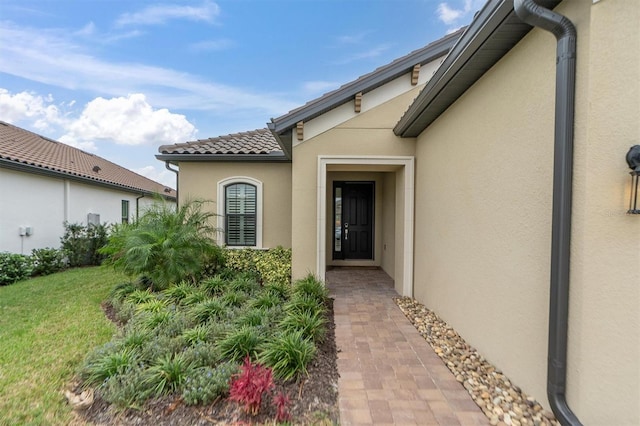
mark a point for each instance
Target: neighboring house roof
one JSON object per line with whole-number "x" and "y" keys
{"x": 494, "y": 31}
{"x": 365, "y": 83}
{"x": 254, "y": 145}
{"x": 23, "y": 150}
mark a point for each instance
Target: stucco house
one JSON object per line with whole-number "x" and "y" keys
{"x": 486, "y": 174}
{"x": 46, "y": 183}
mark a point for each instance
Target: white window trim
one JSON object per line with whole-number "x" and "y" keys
{"x": 221, "y": 203}
{"x": 368, "y": 160}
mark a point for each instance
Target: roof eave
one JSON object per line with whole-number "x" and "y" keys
{"x": 364, "y": 84}
{"x": 493, "y": 18}
{"x": 30, "y": 168}
{"x": 277, "y": 157}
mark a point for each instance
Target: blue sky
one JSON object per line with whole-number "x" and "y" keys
{"x": 119, "y": 78}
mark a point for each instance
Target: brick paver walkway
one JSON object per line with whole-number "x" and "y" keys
{"x": 388, "y": 373}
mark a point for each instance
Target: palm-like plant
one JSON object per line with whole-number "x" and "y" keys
{"x": 166, "y": 245}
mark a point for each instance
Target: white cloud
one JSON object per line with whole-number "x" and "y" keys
{"x": 127, "y": 121}
{"x": 87, "y": 30}
{"x": 162, "y": 175}
{"x": 29, "y": 106}
{"x": 159, "y": 14}
{"x": 459, "y": 14}
{"x": 50, "y": 57}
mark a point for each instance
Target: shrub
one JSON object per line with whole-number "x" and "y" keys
{"x": 304, "y": 302}
{"x": 265, "y": 300}
{"x": 206, "y": 384}
{"x": 165, "y": 246}
{"x": 122, "y": 290}
{"x": 310, "y": 323}
{"x": 203, "y": 354}
{"x": 251, "y": 317}
{"x": 178, "y": 292}
{"x": 197, "y": 334}
{"x": 81, "y": 244}
{"x": 288, "y": 354}
{"x": 249, "y": 386}
{"x": 281, "y": 401}
{"x": 108, "y": 362}
{"x": 215, "y": 286}
{"x": 127, "y": 389}
{"x": 47, "y": 261}
{"x": 168, "y": 373}
{"x": 272, "y": 266}
{"x": 14, "y": 267}
{"x": 140, "y": 296}
{"x": 208, "y": 309}
{"x": 312, "y": 287}
{"x": 240, "y": 343}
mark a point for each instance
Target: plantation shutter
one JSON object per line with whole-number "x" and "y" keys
{"x": 240, "y": 214}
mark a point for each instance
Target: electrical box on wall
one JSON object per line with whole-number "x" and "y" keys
{"x": 28, "y": 230}
{"x": 93, "y": 219}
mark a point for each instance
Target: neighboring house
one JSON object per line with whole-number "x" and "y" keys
{"x": 442, "y": 174}
{"x": 46, "y": 183}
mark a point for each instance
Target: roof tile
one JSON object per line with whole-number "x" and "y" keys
{"x": 24, "y": 147}
{"x": 254, "y": 142}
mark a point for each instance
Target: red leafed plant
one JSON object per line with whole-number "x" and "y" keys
{"x": 248, "y": 387}
{"x": 281, "y": 401}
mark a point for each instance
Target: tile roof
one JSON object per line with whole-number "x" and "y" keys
{"x": 254, "y": 142}
{"x": 23, "y": 149}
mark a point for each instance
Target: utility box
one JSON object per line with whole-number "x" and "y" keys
{"x": 93, "y": 219}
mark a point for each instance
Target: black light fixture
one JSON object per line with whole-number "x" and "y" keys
{"x": 633, "y": 160}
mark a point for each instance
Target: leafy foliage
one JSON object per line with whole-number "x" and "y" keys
{"x": 240, "y": 343}
{"x": 14, "y": 267}
{"x": 281, "y": 401}
{"x": 249, "y": 386}
{"x": 206, "y": 384}
{"x": 288, "y": 354}
{"x": 108, "y": 362}
{"x": 311, "y": 324}
{"x": 47, "y": 261}
{"x": 272, "y": 266}
{"x": 82, "y": 244}
{"x": 165, "y": 246}
{"x": 168, "y": 373}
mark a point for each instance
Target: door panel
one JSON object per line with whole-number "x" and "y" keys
{"x": 354, "y": 220}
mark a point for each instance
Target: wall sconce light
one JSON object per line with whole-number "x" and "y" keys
{"x": 633, "y": 160}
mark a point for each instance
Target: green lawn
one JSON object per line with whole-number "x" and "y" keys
{"x": 47, "y": 326}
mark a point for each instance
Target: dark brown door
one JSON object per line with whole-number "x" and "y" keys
{"x": 353, "y": 220}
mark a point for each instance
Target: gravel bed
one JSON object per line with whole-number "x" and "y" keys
{"x": 501, "y": 401}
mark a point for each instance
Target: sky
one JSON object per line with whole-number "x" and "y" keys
{"x": 119, "y": 78}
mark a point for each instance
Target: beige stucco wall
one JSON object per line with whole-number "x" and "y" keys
{"x": 483, "y": 214}
{"x": 369, "y": 133}
{"x": 200, "y": 180}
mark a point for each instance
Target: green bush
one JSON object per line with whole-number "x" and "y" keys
{"x": 107, "y": 362}
{"x": 81, "y": 244}
{"x": 165, "y": 246}
{"x": 207, "y": 383}
{"x": 272, "y": 266}
{"x": 14, "y": 267}
{"x": 47, "y": 261}
{"x": 311, "y": 323}
{"x": 127, "y": 389}
{"x": 288, "y": 354}
{"x": 168, "y": 373}
{"x": 240, "y": 343}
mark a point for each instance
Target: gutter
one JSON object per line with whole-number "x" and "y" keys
{"x": 565, "y": 33}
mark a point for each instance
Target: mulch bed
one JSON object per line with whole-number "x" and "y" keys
{"x": 314, "y": 400}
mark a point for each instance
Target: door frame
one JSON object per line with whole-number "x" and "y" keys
{"x": 372, "y": 200}
{"x": 407, "y": 237}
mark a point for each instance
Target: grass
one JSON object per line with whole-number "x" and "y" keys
{"x": 47, "y": 326}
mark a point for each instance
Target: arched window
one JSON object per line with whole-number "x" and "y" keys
{"x": 240, "y": 211}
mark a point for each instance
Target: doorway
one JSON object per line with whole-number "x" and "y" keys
{"x": 353, "y": 230}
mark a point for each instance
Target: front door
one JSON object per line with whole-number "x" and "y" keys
{"x": 353, "y": 220}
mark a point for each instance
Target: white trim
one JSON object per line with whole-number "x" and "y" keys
{"x": 368, "y": 160}
{"x": 221, "y": 202}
